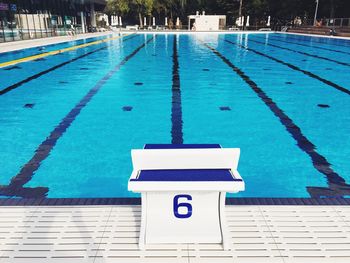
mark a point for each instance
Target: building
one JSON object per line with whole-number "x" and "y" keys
{"x": 205, "y": 22}
{"x": 28, "y": 19}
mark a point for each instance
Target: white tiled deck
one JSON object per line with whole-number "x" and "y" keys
{"x": 110, "y": 234}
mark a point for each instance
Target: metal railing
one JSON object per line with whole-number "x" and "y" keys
{"x": 339, "y": 22}
{"x": 329, "y": 22}
{"x": 185, "y": 28}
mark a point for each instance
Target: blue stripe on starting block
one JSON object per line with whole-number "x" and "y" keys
{"x": 181, "y": 146}
{"x": 187, "y": 175}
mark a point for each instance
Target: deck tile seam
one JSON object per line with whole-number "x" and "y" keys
{"x": 341, "y": 217}
{"x": 316, "y": 241}
{"x": 104, "y": 230}
{"x": 188, "y": 253}
{"x": 99, "y": 224}
{"x": 32, "y": 214}
{"x": 271, "y": 234}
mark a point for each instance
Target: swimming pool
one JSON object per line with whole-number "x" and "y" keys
{"x": 69, "y": 121}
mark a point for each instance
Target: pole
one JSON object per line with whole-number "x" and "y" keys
{"x": 93, "y": 15}
{"x": 240, "y": 11}
{"x": 240, "y": 8}
{"x": 316, "y": 12}
{"x": 83, "y": 22}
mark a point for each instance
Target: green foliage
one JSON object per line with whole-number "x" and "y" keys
{"x": 283, "y": 10}
{"x": 148, "y": 4}
{"x": 256, "y": 7}
{"x": 117, "y": 7}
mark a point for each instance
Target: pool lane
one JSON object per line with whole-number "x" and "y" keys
{"x": 300, "y": 52}
{"x": 132, "y": 108}
{"x": 324, "y": 69}
{"x": 327, "y": 70}
{"x": 50, "y": 98}
{"x": 219, "y": 107}
{"x": 320, "y": 163}
{"x": 310, "y": 47}
{"x": 292, "y": 66}
{"x": 40, "y": 64}
{"x": 322, "y": 114}
{"x": 314, "y": 40}
{"x": 176, "y": 107}
{"x": 42, "y": 152}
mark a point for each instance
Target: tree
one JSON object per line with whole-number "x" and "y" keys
{"x": 148, "y": 4}
{"x": 143, "y": 7}
{"x": 163, "y": 6}
{"x": 283, "y": 10}
{"x": 114, "y": 7}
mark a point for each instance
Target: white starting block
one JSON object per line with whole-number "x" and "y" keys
{"x": 183, "y": 190}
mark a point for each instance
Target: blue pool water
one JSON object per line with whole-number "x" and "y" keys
{"x": 68, "y": 122}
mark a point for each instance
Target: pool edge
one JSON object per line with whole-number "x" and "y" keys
{"x": 137, "y": 201}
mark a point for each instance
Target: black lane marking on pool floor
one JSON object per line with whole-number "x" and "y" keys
{"x": 301, "y": 52}
{"x": 137, "y": 201}
{"x": 12, "y": 68}
{"x": 176, "y": 107}
{"x": 127, "y": 108}
{"x": 323, "y": 105}
{"x": 35, "y": 76}
{"x": 307, "y": 73}
{"x": 39, "y": 59}
{"x": 319, "y": 162}
{"x": 29, "y": 105}
{"x": 15, "y": 188}
{"x": 225, "y": 108}
{"x": 273, "y": 38}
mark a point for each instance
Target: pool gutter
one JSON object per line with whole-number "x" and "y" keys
{"x": 137, "y": 201}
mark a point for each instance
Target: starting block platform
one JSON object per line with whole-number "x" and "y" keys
{"x": 183, "y": 189}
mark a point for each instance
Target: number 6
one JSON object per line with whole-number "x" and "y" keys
{"x": 177, "y": 205}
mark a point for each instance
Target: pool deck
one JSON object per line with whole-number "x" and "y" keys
{"x": 313, "y": 35}
{"x": 22, "y": 44}
{"x": 110, "y": 234}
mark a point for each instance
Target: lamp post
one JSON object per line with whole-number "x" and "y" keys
{"x": 316, "y": 12}
{"x": 240, "y": 13}
{"x": 240, "y": 8}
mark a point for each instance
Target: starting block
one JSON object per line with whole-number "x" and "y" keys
{"x": 183, "y": 189}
